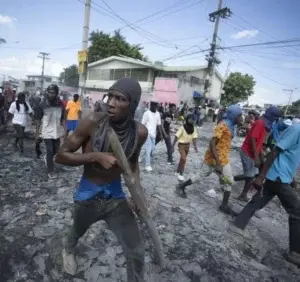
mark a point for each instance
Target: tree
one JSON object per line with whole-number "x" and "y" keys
{"x": 237, "y": 88}
{"x": 104, "y": 45}
{"x": 69, "y": 76}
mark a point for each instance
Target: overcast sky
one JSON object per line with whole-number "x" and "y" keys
{"x": 55, "y": 26}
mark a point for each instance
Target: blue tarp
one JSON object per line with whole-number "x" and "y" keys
{"x": 197, "y": 94}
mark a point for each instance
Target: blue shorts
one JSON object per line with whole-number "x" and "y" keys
{"x": 248, "y": 165}
{"x": 87, "y": 190}
{"x": 72, "y": 124}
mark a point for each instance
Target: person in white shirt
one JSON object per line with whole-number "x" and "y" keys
{"x": 152, "y": 120}
{"x": 20, "y": 111}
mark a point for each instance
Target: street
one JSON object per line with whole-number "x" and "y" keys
{"x": 36, "y": 213}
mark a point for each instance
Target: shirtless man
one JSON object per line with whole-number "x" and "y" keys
{"x": 99, "y": 195}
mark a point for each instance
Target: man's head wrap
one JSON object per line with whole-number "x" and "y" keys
{"x": 126, "y": 130}
{"x": 131, "y": 89}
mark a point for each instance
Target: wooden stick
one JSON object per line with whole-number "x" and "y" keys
{"x": 135, "y": 192}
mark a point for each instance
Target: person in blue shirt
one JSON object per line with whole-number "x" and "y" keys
{"x": 277, "y": 179}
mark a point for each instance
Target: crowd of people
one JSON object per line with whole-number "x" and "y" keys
{"x": 270, "y": 155}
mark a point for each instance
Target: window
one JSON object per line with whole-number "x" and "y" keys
{"x": 100, "y": 74}
{"x": 120, "y": 73}
{"x": 140, "y": 74}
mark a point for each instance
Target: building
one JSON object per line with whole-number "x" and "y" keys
{"x": 165, "y": 83}
{"x": 33, "y": 83}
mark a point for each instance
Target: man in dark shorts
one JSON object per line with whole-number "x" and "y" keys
{"x": 100, "y": 195}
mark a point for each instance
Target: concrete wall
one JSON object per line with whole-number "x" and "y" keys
{"x": 106, "y": 84}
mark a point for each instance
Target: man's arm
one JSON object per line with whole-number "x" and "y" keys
{"x": 66, "y": 154}
{"x": 269, "y": 161}
{"x": 145, "y": 118}
{"x": 79, "y": 112}
{"x": 218, "y": 134}
{"x": 66, "y": 111}
{"x": 213, "y": 148}
{"x": 287, "y": 140}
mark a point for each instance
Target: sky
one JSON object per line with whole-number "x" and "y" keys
{"x": 55, "y": 27}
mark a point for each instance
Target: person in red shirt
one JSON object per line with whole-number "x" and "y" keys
{"x": 251, "y": 150}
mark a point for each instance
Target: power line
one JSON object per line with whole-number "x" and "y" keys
{"x": 134, "y": 27}
{"x": 255, "y": 69}
{"x": 262, "y": 44}
{"x": 149, "y": 36}
{"x": 180, "y": 39}
{"x": 179, "y": 55}
{"x": 168, "y": 8}
{"x": 171, "y": 13}
{"x": 262, "y": 31}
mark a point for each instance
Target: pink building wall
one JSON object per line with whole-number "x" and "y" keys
{"x": 165, "y": 90}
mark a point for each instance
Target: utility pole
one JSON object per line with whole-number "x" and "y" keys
{"x": 212, "y": 58}
{"x": 291, "y": 92}
{"x": 43, "y": 56}
{"x": 82, "y": 55}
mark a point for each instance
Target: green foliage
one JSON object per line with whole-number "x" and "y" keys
{"x": 69, "y": 76}
{"x": 104, "y": 45}
{"x": 237, "y": 88}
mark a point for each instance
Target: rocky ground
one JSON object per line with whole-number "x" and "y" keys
{"x": 35, "y": 214}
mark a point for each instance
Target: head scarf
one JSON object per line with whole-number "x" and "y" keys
{"x": 229, "y": 117}
{"x": 126, "y": 130}
{"x": 189, "y": 127}
{"x": 280, "y": 126}
{"x": 270, "y": 116}
{"x": 131, "y": 89}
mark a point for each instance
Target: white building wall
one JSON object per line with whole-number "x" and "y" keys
{"x": 215, "y": 90}
{"x": 106, "y": 84}
{"x": 185, "y": 90}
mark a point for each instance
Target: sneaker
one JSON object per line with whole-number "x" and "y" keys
{"x": 52, "y": 175}
{"x": 180, "y": 177}
{"x": 170, "y": 163}
{"x": 148, "y": 168}
{"x": 69, "y": 262}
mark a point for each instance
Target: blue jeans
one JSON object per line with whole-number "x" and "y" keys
{"x": 149, "y": 147}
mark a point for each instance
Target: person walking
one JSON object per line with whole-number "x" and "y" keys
{"x": 185, "y": 135}
{"x": 217, "y": 159}
{"x": 167, "y": 118}
{"x": 251, "y": 151}
{"x": 152, "y": 120}
{"x": 276, "y": 178}
{"x": 50, "y": 119}
{"x": 20, "y": 111}
{"x": 73, "y": 114}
